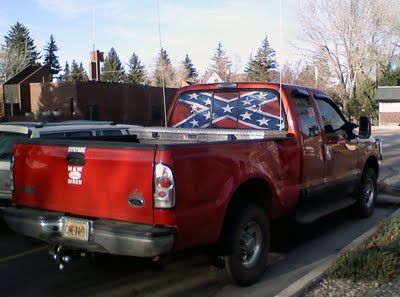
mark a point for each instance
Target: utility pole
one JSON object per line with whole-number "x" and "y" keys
{"x": 95, "y": 57}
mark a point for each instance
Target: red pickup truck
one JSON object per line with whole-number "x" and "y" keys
{"x": 234, "y": 157}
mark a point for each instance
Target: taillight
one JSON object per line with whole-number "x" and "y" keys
{"x": 164, "y": 187}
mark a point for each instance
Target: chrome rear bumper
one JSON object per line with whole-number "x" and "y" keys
{"x": 107, "y": 236}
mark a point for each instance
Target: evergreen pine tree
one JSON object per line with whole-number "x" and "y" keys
{"x": 50, "y": 57}
{"x": 259, "y": 68}
{"x": 189, "y": 72}
{"x": 67, "y": 73}
{"x": 136, "y": 73}
{"x": 77, "y": 72}
{"x": 164, "y": 63}
{"x": 391, "y": 78}
{"x": 18, "y": 37}
{"x": 221, "y": 64}
{"x": 83, "y": 71}
{"x": 112, "y": 70}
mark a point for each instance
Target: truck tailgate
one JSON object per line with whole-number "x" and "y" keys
{"x": 114, "y": 183}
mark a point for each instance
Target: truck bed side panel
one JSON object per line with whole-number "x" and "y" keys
{"x": 208, "y": 175}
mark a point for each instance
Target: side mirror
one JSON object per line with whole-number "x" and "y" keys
{"x": 365, "y": 128}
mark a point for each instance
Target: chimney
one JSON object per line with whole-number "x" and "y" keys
{"x": 94, "y": 66}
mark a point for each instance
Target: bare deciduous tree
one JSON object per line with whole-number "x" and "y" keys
{"x": 350, "y": 36}
{"x": 13, "y": 60}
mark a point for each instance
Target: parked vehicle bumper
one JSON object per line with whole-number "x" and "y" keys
{"x": 108, "y": 236}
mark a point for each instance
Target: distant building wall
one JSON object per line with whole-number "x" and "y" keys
{"x": 389, "y": 113}
{"x": 389, "y": 105}
{"x": 41, "y": 75}
{"x": 389, "y": 118}
{"x": 126, "y": 103}
{"x": 17, "y": 98}
{"x": 50, "y": 97}
{"x": 123, "y": 103}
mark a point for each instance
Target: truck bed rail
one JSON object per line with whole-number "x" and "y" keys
{"x": 146, "y": 134}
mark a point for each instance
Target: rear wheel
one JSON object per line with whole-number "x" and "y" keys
{"x": 367, "y": 193}
{"x": 246, "y": 242}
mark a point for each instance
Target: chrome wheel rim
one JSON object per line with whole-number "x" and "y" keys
{"x": 250, "y": 244}
{"x": 369, "y": 193}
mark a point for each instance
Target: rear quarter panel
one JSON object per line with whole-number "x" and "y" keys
{"x": 208, "y": 175}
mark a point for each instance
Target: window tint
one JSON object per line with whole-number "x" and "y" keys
{"x": 309, "y": 124}
{"x": 79, "y": 134}
{"x": 111, "y": 132}
{"x": 260, "y": 110}
{"x": 244, "y": 109}
{"x": 7, "y": 145}
{"x": 331, "y": 118}
{"x": 12, "y": 134}
{"x": 52, "y": 135}
{"x": 224, "y": 110}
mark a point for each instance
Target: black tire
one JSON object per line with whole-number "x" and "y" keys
{"x": 367, "y": 193}
{"x": 246, "y": 242}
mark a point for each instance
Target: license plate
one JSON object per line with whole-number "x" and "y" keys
{"x": 76, "y": 229}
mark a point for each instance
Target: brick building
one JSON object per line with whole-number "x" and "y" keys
{"x": 122, "y": 103}
{"x": 16, "y": 90}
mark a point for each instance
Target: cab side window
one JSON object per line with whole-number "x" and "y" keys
{"x": 331, "y": 118}
{"x": 309, "y": 124}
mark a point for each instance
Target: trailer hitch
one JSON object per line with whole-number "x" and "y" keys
{"x": 61, "y": 256}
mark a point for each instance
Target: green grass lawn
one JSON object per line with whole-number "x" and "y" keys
{"x": 377, "y": 259}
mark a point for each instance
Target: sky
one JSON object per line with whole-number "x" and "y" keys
{"x": 187, "y": 27}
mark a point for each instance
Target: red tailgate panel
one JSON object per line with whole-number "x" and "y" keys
{"x": 101, "y": 188}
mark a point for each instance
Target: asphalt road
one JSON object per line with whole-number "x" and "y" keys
{"x": 27, "y": 270}
{"x": 391, "y": 147}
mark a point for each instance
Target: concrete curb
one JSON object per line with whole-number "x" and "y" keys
{"x": 302, "y": 284}
{"x": 388, "y": 189}
{"x": 388, "y": 199}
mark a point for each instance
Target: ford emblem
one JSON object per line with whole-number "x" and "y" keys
{"x": 75, "y": 175}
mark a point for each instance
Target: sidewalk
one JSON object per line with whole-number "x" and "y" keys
{"x": 389, "y": 180}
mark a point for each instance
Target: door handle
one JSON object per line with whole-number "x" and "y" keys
{"x": 328, "y": 152}
{"x": 74, "y": 158}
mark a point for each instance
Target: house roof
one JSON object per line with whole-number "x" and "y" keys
{"x": 214, "y": 77}
{"x": 24, "y": 73}
{"x": 43, "y": 68}
{"x": 388, "y": 94}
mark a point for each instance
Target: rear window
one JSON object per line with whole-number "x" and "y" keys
{"x": 74, "y": 134}
{"x": 52, "y": 135}
{"x": 7, "y": 145}
{"x": 112, "y": 132}
{"x": 244, "y": 109}
{"x": 79, "y": 134}
{"x": 7, "y": 141}
{"x": 4, "y": 134}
